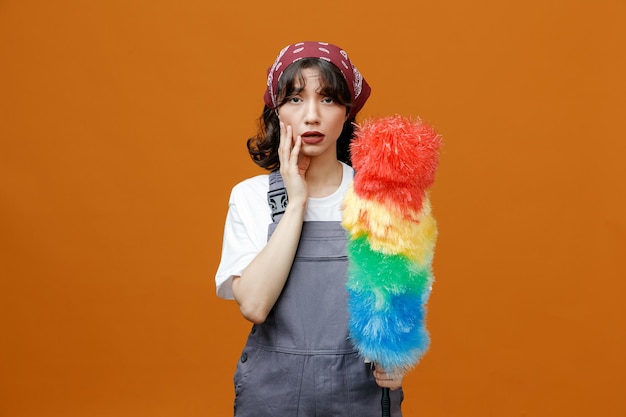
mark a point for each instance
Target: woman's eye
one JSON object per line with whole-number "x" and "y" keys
{"x": 328, "y": 100}
{"x": 294, "y": 100}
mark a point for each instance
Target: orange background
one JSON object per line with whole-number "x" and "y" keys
{"x": 123, "y": 127}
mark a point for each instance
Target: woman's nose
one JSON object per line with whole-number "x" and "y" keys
{"x": 312, "y": 113}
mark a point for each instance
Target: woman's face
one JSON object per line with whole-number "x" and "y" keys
{"x": 316, "y": 118}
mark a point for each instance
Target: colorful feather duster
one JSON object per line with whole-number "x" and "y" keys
{"x": 392, "y": 236}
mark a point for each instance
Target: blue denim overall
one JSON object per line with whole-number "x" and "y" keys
{"x": 300, "y": 362}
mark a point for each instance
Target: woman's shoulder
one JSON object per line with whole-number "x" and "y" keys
{"x": 250, "y": 189}
{"x": 258, "y": 181}
{"x": 248, "y": 201}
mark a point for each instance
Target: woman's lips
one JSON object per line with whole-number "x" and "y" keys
{"x": 312, "y": 138}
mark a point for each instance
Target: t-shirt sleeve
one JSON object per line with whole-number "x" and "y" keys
{"x": 244, "y": 237}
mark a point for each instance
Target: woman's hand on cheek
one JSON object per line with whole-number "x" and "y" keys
{"x": 293, "y": 166}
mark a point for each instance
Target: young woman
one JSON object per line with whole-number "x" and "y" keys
{"x": 284, "y": 253}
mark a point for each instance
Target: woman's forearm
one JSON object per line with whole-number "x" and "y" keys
{"x": 261, "y": 283}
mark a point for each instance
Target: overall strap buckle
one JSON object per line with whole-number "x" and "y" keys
{"x": 277, "y": 195}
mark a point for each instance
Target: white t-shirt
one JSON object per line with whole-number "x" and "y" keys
{"x": 245, "y": 231}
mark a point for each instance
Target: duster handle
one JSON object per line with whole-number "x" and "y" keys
{"x": 385, "y": 403}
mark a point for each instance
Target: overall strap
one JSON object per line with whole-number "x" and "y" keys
{"x": 277, "y": 195}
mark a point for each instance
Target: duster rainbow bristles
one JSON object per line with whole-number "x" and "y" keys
{"x": 392, "y": 236}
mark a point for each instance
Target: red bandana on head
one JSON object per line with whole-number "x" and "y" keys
{"x": 338, "y": 57}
